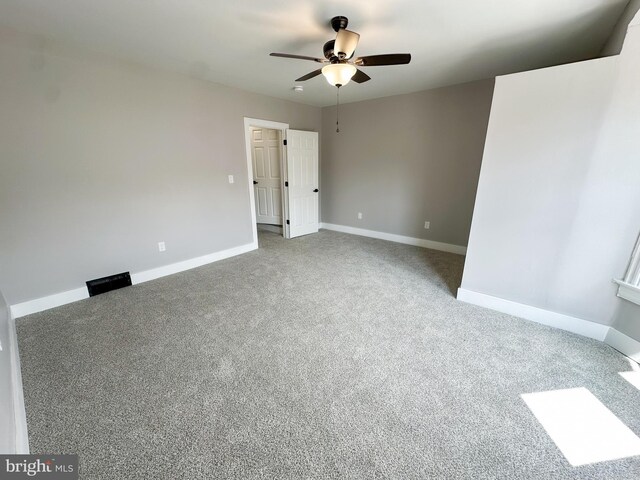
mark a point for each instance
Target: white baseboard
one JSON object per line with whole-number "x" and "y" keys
{"x": 51, "y": 301}
{"x": 546, "y": 317}
{"x": 20, "y": 415}
{"x": 624, "y": 344}
{"x": 39, "y": 304}
{"x": 177, "y": 267}
{"x": 392, "y": 237}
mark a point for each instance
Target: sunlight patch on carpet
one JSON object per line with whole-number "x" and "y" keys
{"x": 582, "y": 428}
{"x": 632, "y": 377}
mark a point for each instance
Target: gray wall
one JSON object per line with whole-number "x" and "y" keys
{"x": 102, "y": 159}
{"x": 7, "y": 419}
{"x": 406, "y": 159}
{"x": 627, "y": 319}
{"x": 624, "y": 140}
{"x": 616, "y": 40}
{"x": 558, "y": 203}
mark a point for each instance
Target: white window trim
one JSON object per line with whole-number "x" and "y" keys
{"x": 628, "y": 292}
{"x": 629, "y": 286}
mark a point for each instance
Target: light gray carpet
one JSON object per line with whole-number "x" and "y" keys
{"x": 326, "y": 356}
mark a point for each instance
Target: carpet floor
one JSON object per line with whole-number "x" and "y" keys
{"x": 326, "y": 356}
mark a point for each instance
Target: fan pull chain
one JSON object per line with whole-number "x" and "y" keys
{"x": 338, "y": 110}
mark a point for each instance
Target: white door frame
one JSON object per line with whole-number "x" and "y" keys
{"x": 282, "y": 127}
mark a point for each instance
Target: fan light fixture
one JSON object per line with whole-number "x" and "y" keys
{"x": 336, "y": 55}
{"x": 338, "y": 74}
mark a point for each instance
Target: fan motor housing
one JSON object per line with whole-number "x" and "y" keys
{"x": 328, "y": 49}
{"x": 339, "y": 22}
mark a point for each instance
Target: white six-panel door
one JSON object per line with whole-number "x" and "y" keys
{"x": 267, "y": 177}
{"x": 302, "y": 175}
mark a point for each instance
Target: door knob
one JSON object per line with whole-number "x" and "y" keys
{"x": 316, "y": 190}
{"x": 255, "y": 183}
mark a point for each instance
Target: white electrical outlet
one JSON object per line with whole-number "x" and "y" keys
{"x": 427, "y": 225}
{"x": 161, "y": 247}
{"x": 359, "y": 215}
{"x": 230, "y": 178}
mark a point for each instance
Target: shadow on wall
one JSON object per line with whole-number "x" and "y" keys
{"x": 543, "y": 48}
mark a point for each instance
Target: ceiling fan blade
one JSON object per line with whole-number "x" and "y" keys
{"x": 315, "y": 73}
{"x": 299, "y": 57}
{"x": 360, "y": 77}
{"x": 389, "y": 59}
{"x": 346, "y": 43}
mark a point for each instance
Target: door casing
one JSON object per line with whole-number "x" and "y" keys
{"x": 282, "y": 127}
{"x": 284, "y": 168}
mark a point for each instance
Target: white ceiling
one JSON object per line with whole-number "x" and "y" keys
{"x": 229, "y": 41}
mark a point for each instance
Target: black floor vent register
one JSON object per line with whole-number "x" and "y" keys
{"x": 106, "y": 284}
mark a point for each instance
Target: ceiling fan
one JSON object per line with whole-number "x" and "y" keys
{"x": 340, "y": 66}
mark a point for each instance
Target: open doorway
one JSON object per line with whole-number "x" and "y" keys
{"x": 268, "y": 178}
{"x": 282, "y": 165}
{"x": 264, "y": 142}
